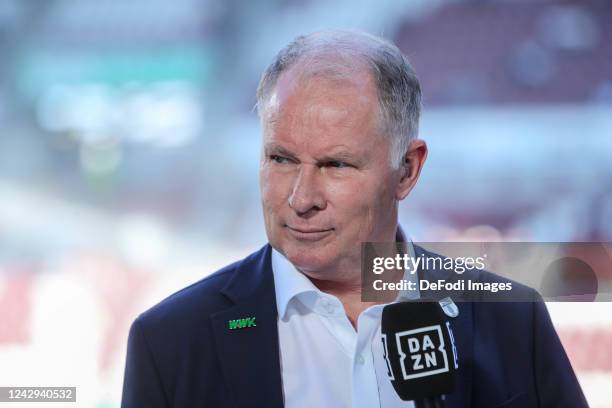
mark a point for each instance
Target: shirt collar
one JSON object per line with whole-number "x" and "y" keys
{"x": 289, "y": 282}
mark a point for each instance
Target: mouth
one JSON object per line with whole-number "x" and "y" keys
{"x": 309, "y": 233}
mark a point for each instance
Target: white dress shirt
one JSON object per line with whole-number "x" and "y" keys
{"x": 324, "y": 361}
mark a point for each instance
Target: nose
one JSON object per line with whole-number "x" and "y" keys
{"x": 307, "y": 195}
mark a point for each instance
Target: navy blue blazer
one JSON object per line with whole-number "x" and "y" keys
{"x": 182, "y": 353}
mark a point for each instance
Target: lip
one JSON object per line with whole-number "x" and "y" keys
{"x": 309, "y": 234}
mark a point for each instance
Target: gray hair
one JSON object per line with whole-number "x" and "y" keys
{"x": 332, "y": 53}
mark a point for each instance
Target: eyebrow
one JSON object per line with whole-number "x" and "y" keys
{"x": 338, "y": 155}
{"x": 273, "y": 148}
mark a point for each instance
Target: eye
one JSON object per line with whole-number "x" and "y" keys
{"x": 337, "y": 164}
{"x": 279, "y": 159}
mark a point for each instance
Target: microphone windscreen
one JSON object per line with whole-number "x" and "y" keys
{"x": 419, "y": 349}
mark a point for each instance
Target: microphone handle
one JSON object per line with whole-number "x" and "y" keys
{"x": 430, "y": 402}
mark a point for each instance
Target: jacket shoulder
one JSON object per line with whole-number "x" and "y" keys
{"x": 165, "y": 340}
{"x": 485, "y": 285}
{"x": 186, "y": 313}
{"x": 519, "y": 292}
{"x": 203, "y": 296}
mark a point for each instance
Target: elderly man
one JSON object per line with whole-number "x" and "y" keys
{"x": 286, "y": 326}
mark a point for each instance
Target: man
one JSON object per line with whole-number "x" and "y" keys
{"x": 286, "y": 326}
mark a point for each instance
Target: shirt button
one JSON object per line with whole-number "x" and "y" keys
{"x": 360, "y": 360}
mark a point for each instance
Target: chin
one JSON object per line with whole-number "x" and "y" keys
{"x": 308, "y": 259}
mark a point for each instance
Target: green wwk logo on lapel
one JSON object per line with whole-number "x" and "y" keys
{"x": 242, "y": 323}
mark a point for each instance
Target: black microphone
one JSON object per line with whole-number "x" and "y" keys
{"x": 419, "y": 351}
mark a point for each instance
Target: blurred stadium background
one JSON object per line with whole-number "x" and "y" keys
{"x": 129, "y": 155}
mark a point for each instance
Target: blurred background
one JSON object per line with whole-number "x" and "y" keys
{"x": 129, "y": 155}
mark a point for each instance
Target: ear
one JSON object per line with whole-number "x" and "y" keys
{"x": 410, "y": 168}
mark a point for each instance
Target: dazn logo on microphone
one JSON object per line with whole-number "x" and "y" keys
{"x": 422, "y": 352}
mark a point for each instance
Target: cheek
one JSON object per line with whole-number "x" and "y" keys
{"x": 273, "y": 189}
{"x": 363, "y": 202}
{"x": 358, "y": 194}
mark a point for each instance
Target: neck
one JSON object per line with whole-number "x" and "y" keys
{"x": 348, "y": 294}
{"x": 348, "y": 288}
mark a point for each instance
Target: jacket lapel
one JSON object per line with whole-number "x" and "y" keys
{"x": 462, "y": 327}
{"x": 462, "y": 332}
{"x": 249, "y": 355}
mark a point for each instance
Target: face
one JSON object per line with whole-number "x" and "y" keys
{"x": 325, "y": 174}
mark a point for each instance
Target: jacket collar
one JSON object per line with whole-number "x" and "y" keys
{"x": 252, "y": 276}
{"x": 250, "y": 357}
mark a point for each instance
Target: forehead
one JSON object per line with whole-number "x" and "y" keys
{"x": 319, "y": 80}
{"x": 321, "y": 106}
